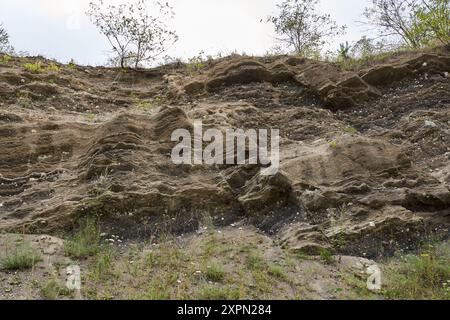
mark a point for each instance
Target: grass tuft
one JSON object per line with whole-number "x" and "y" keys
{"x": 326, "y": 256}
{"x": 85, "y": 243}
{"x": 21, "y": 258}
{"x": 277, "y": 271}
{"x": 215, "y": 273}
{"x": 53, "y": 290}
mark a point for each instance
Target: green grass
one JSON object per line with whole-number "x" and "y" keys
{"x": 5, "y": 59}
{"x": 84, "y": 243}
{"x": 157, "y": 291}
{"x": 21, "y": 258}
{"x": 255, "y": 261}
{"x": 53, "y": 290}
{"x": 196, "y": 64}
{"x": 33, "y": 67}
{"x": 103, "y": 265}
{"x": 23, "y": 100}
{"x": 351, "y": 130}
{"x": 277, "y": 271}
{"x": 90, "y": 117}
{"x": 326, "y": 256}
{"x": 53, "y": 67}
{"x": 144, "y": 105}
{"x": 333, "y": 144}
{"x": 356, "y": 64}
{"x": 357, "y": 285}
{"x": 423, "y": 276}
{"x": 215, "y": 273}
{"x": 211, "y": 292}
{"x": 71, "y": 65}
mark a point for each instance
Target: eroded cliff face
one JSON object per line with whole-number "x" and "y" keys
{"x": 364, "y": 156}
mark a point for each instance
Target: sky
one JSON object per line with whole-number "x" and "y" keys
{"x": 60, "y": 30}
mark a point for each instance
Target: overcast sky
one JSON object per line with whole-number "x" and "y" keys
{"x": 59, "y": 29}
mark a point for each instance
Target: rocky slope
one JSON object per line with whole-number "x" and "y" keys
{"x": 365, "y": 155}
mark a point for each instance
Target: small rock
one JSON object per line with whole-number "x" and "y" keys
{"x": 430, "y": 124}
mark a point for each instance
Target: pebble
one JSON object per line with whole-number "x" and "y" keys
{"x": 430, "y": 124}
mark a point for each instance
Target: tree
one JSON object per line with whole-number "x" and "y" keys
{"x": 365, "y": 48}
{"x": 416, "y": 22}
{"x": 136, "y": 36}
{"x": 344, "y": 51}
{"x": 434, "y": 21}
{"x": 300, "y": 26}
{"x": 4, "y": 41}
{"x": 395, "y": 18}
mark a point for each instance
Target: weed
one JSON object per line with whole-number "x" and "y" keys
{"x": 5, "y": 59}
{"x": 144, "y": 105}
{"x": 157, "y": 291}
{"x": 86, "y": 242}
{"x": 277, "y": 271}
{"x": 53, "y": 67}
{"x": 333, "y": 144}
{"x": 195, "y": 64}
{"x": 53, "y": 290}
{"x": 218, "y": 293}
{"x": 102, "y": 265}
{"x": 71, "y": 65}
{"x": 34, "y": 67}
{"x": 351, "y": 130}
{"x": 90, "y": 117}
{"x": 255, "y": 261}
{"x": 24, "y": 101}
{"x": 423, "y": 276}
{"x": 357, "y": 284}
{"x": 21, "y": 258}
{"x": 214, "y": 273}
{"x": 326, "y": 256}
